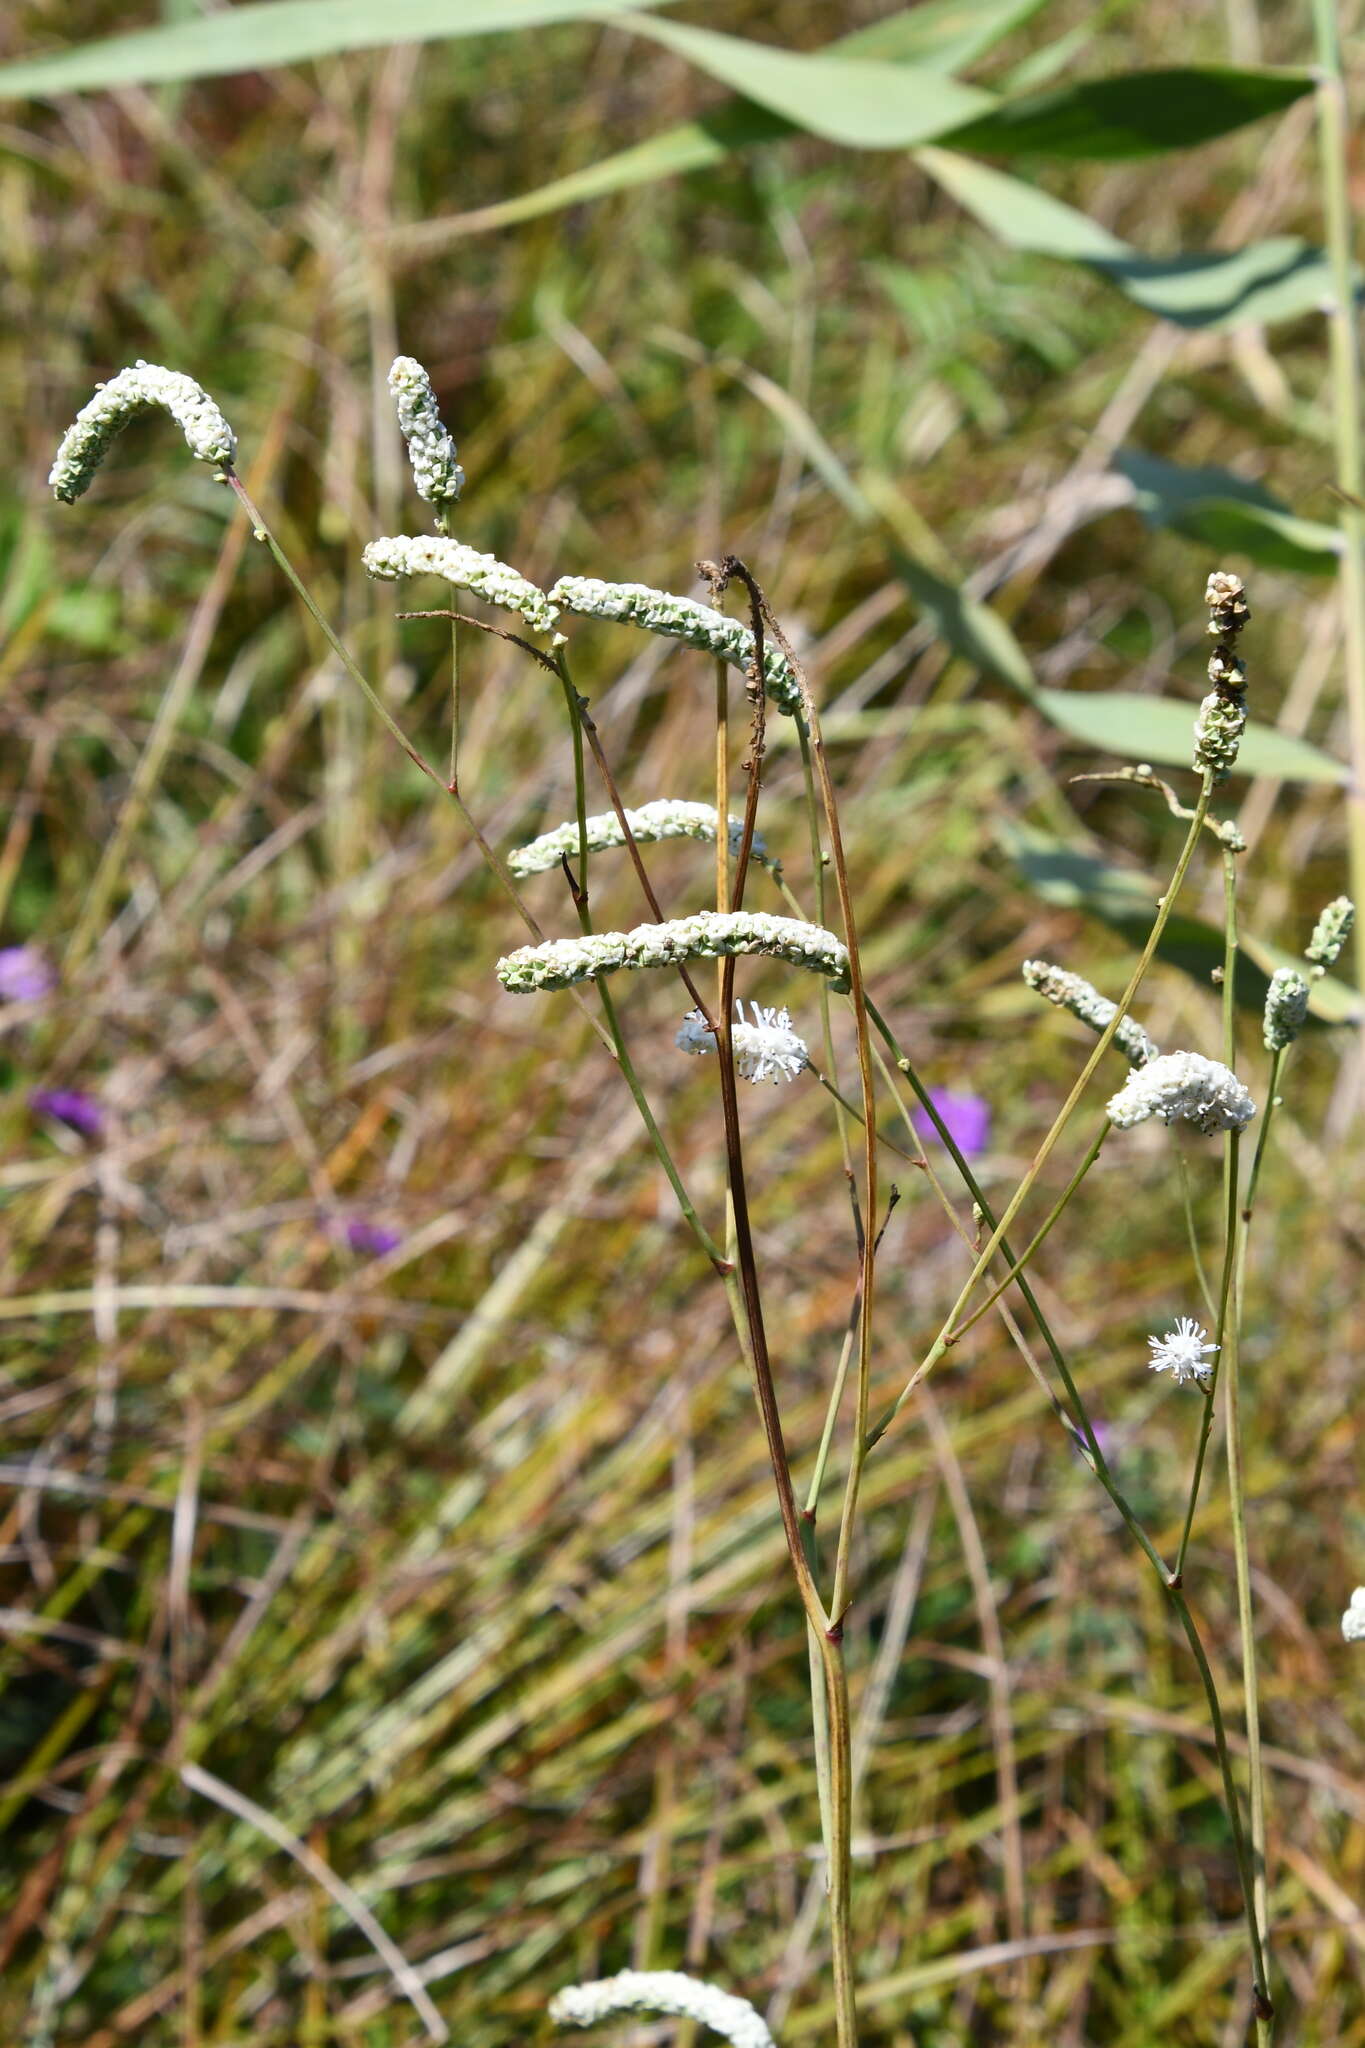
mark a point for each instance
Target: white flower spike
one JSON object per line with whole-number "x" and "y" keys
{"x": 1353, "y": 1620}
{"x": 711, "y": 935}
{"x": 142, "y": 388}
{"x": 766, "y": 1050}
{"x": 663, "y": 1991}
{"x": 1074, "y": 993}
{"x": 679, "y": 618}
{"x": 433, "y": 554}
{"x": 431, "y": 449}
{"x": 664, "y": 818}
{"x": 1186, "y": 1085}
{"x": 1181, "y": 1352}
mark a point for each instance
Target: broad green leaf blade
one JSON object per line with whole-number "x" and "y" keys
{"x": 1228, "y": 513}
{"x": 940, "y": 35}
{"x": 1139, "y": 114}
{"x": 692, "y": 146}
{"x": 856, "y": 101}
{"x": 1018, "y": 213}
{"x": 1278, "y": 279}
{"x": 260, "y": 35}
{"x": 1161, "y": 730}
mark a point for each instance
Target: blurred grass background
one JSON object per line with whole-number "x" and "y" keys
{"x": 528, "y": 1678}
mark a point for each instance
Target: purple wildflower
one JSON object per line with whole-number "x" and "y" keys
{"x": 363, "y": 1236}
{"x": 69, "y": 1106}
{"x": 966, "y": 1117}
{"x": 25, "y": 976}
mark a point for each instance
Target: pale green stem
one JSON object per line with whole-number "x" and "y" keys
{"x": 1344, "y": 340}
{"x": 1042, "y": 1231}
{"x": 1045, "y": 1150}
{"x": 1219, "y": 1337}
{"x": 1192, "y": 1234}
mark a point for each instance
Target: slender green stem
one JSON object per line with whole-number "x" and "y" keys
{"x": 1197, "y": 1257}
{"x": 1044, "y": 1152}
{"x": 1344, "y": 339}
{"x": 1220, "y": 1338}
{"x": 1042, "y": 1231}
{"x": 1089, "y": 1445}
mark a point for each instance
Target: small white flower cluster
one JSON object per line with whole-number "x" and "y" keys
{"x": 665, "y": 817}
{"x": 431, "y": 449}
{"x": 559, "y": 963}
{"x": 433, "y": 554}
{"x": 1181, "y": 1352}
{"x": 663, "y": 1991}
{"x": 1183, "y": 1084}
{"x": 1072, "y": 992}
{"x": 766, "y": 1050}
{"x": 1353, "y": 1620}
{"x": 141, "y": 388}
{"x": 1330, "y": 934}
{"x": 679, "y": 618}
{"x": 1286, "y": 1006}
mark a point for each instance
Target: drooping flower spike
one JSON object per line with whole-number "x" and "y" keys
{"x": 711, "y": 935}
{"x": 1183, "y": 1085}
{"x": 663, "y": 1991}
{"x": 436, "y": 470}
{"x": 1353, "y": 1620}
{"x": 664, "y": 818}
{"x": 141, "y": 388}
{"x": 1183, "y": 1352}
{"x": 766, "y": 1050}
{"x": 1074, "y": 993}
{"x": 679, "y": 618}
{"x": 433, "y": 554}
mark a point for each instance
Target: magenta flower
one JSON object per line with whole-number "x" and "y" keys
{"x": 70, "y": 1107}
{"x": 25, "y": 976}
{"x": 966, "y": 1118}
{"x": 363, "y": 1236}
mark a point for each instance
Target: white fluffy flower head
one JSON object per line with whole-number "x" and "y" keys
{"x": 1353, "y": 1620}
{"x": 766, "y": 1050}
{"x": 1181, "y": 1352}
{"x": 664, "y": 1991}
{"x": 436, "y": 469}
{"x": 1186, "y": 1085}
{"x": 141, "y": 388}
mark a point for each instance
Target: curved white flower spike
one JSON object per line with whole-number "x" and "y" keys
{"x": 664, "y": 818}
{"x": 434, "y": 554}
{"x": 1353, "y": 1620}
{"x": 1074, "y": 993}
{"x": 679, "y": 618}
{"x": 141, "y": 388}
{"x": 663, "y": 1991}
{"x": 712, "y": 934}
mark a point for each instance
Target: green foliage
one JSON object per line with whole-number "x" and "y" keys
{"x": 529, "y": 1681}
